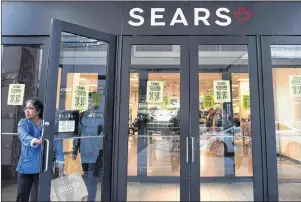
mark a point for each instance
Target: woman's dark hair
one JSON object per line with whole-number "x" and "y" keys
{"x": 38, "y": 105}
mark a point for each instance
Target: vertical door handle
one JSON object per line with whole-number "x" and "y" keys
{"x": 187, "y": 151}
{"x": 47, "y": 154}
{"x": 192, "y": 149}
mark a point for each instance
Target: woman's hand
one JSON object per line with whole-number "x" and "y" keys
{"x": 60, "y": 168}
{"x": 38, "y": 141}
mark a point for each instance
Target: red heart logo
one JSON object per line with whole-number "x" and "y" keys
{"x": 242, "y": 14}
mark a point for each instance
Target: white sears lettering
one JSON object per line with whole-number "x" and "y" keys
{"x": 197, "y": 18}
{"x": 155, "y": 16}
{"x": 200, "y": 14}
{"x": 179, "y": 13}
{"x": 220, "y": 15}
{"x": 136, "y": 16}
{"x": 69, "y": 187}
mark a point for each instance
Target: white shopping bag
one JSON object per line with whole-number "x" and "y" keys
{"x": 69, "y": 188}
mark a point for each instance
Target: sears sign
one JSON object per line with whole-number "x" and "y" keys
{"x": 202, "y": 16}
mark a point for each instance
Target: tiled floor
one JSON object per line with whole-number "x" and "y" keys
{"x": 288, "y": 169}
{"x": 209, "y": 192}
{"x": 289, "y": 191}
{"x": 161, "y": 161}
{"x": 171, "y": 192}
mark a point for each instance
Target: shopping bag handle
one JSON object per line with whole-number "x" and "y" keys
{"x": 63, "y": 175}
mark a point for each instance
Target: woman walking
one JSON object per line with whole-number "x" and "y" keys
{"x": 30, "y": 135}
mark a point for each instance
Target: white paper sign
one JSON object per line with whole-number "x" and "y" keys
{"x": 221, "y": 91}
{"x": 80, "y": 98}
{"x": 66, "y": 126}
{"x": 15, "y": 94}
{"x": 295, "y": 85}
{"x": 155, "y": 92}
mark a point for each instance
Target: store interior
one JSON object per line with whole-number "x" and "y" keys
{"x": 212, "y": 165}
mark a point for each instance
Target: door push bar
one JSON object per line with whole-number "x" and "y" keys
{"x": 47, "y": 154}
{"x": 47, "y": 145}
{"x": 187, "y": 150}
{"x": 192, "y": 149}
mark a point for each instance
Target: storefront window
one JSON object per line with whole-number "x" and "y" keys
{"x": 286, "y": 60}
{"x": 20, "y": 66}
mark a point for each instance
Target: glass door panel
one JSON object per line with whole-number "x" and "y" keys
{"x": 21, "y": 64}
{"x": 83, "y": 153}
{"x": 226, "y": 168}
{"x": 76, "y": 113}
{"x": 212, "y": 158}
{"x": 154, "y": 124}
{"x": 286, "y": 72}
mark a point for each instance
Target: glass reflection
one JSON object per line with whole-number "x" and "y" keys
{"x": 225, "y": 123}
{"x": 83, "y": 67}
{"x": 20, "y": 65}
{"x": 154, "y": 123}
{"x": 286, "y": 60}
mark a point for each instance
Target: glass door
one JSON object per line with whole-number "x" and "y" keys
{"x": 24, "y": 62}
{"x": 224, "y": 103}
{"x": 78, "y": 115}
{"x": 154, "y": 134}
{"x": 282, "y": 67}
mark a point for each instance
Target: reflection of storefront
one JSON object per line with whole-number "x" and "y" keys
{"x": 185, "y": 110}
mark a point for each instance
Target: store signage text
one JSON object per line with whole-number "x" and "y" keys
{"x": 67, "y": 123}
{"x": 202, "y": 16}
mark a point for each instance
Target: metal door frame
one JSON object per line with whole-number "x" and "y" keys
{"x": 266, "y": 42}
{"x": 255, "y": 85}
{"x": 122, "y": 143}
{"x": 43, "y": 41}
{"x": 50, "y": 99}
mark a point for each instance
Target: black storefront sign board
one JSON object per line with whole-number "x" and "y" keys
{"x": 212, "y": 18}
{"x": 266, "y": 18}
{"x": 67, "y": 123}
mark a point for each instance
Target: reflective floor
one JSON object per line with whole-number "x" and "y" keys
{"x": 289, "y": 191}
{"x": 171, "y": 192}
{"x": 209, "y": 192}
{"x": 288, "y": 170}
{"x": 162, "y": 163}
